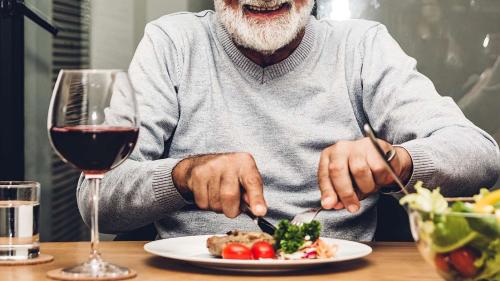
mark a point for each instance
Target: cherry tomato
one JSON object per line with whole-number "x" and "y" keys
{"x": 442, "y": 262}
{"x": 463, "y": 261}
{"x": 236, "y": 251}
{"x": 263, "y": 250}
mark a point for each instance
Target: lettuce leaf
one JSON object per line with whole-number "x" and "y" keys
{"x": 482, "y": 193}
{"x": 486, "y": 225}
{"x": 426, "y": 200}
{"x": 490, "y": 262}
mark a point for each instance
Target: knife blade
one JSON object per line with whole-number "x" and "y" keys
{"x": 262, "y": 223}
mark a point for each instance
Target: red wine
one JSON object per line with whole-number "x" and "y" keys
{"x": 94, "y": 149}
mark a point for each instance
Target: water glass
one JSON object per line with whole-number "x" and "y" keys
{"x": 19, "y": 220}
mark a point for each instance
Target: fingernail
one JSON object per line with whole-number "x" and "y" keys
{"x": 260, "y": 210}
{"x": 327, "y": 202}
{"x": 352, "y": 208}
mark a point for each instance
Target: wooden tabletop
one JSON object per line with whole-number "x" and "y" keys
{"x": 389, "y": 261}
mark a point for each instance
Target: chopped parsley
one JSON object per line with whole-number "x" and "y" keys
{"x": 289, "y": 238}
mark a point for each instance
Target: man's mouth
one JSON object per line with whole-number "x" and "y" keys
{"x": 266, "y": 11}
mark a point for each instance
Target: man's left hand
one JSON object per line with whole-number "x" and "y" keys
{"x": 349, "y": 171}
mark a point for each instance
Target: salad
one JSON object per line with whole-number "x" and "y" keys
{"x": 462, "y": 240}
{"x": 290, "y": 242}
{"x": 294, "y": 242}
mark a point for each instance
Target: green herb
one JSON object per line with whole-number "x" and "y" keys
{"x": 312, "y": 229}
{"x": 289, "y": 238}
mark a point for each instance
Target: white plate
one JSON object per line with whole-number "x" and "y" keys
{"x": 193, "y": 250}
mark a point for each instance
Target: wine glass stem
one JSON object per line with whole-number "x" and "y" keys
{"x": 94, "y": 244}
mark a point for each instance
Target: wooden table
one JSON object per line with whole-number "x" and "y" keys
{"x": 389, "y": 261}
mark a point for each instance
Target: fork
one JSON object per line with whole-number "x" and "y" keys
{"x": 373, "y": 138}
{"x": 309, "y": 215}
{"x": 306, "y": 217}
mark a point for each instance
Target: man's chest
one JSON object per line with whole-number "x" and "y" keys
{"x": 225, "y": 110}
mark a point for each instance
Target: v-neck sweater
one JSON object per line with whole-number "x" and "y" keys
{"x": 199, "y": 94}
{"x": 265, "y": 74}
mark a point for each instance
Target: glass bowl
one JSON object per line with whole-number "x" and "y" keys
{"x": 460, "y": 246}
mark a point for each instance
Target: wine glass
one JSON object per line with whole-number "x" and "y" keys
{"x": 93, "y": 125}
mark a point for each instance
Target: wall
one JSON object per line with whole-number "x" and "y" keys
{"x": 158, "y": 8}
{"x": 112, "y": 33}
{"x": 200, "y": 5}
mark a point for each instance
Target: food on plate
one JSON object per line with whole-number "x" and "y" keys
{"x": 295, "y": 242}
{"x": 216, "y": 244}
{"x": 462, "y": 239}
{"x": 290, "y": 242}
{"x": 236, "y": 251}
{"x": 263, "y": 250}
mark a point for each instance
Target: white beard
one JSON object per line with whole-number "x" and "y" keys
{"x": 265, "y": 37}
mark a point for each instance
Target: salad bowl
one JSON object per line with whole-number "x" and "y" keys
{"x": 461, "y": 240}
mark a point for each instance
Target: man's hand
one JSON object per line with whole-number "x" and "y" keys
{"x": 349, "y": 171}
{"x": 216, "y": 181}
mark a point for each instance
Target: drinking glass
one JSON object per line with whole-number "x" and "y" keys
{"x": 93, "y": 125}
{"x": 19, "y": 215}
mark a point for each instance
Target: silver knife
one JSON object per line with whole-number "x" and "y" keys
{"x": 262, "y": 223}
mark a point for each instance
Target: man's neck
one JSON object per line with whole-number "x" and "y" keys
{"x": 280, "y": 55}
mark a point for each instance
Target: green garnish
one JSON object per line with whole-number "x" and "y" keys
{"x": 289, "y": 238}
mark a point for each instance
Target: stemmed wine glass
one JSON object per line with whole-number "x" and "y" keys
{"x": 93, "y": 125}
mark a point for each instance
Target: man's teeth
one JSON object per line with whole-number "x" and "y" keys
{"x": 264, "y": 9}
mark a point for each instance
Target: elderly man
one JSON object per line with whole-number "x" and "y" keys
{"x": 261, "y": 102}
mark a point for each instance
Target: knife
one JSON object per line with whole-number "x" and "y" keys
{"x": 262, "y": 223}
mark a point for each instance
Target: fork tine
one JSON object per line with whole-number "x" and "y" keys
{"x": 306, "y": 217}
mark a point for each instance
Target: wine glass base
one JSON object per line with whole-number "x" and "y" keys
{"x": 93, "y": 270}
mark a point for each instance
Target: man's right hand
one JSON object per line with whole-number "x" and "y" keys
{"x": 217, "y": 180}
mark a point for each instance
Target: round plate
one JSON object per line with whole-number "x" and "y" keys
{"x": 193, "y": 250}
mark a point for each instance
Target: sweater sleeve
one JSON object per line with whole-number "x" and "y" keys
{"x": 140, "y": 190}
{"x": 403, "y": 106}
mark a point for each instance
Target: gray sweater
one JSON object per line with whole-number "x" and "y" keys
{"x": 198, "y": 94}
